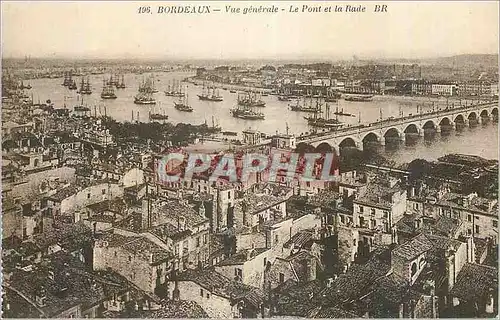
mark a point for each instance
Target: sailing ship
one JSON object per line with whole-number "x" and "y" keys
{"x": 157, "y": 116}
{"x": 85, "y": 86}
{"x": 213, "y": 96}
{"x": 342, "y": 113}
{"x": 67, "y": 79}
{"x": 73, "y": 85}
{"x": 145, "y": 94}
{"x": 359, "y": 98}
{"x": 250, "y": 100}
{"x": 108, "y": 91}
{"x": 121, "y": 84}
{"x": 246, "y": 112}
{"x": 148, "y": 85}
{"x": 306, "y": 108}
{"x": 323, "y": 121}
{"x": 332, "y": 96}
{"x": 81, "y": 109}
{"x": 215, "y": 126}
{"x": 174, "y": 90}
{"x": 183, "y": 104}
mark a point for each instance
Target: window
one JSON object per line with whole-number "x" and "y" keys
{"x": 353, "y": 242}
{"x": 469, "y": 218}
{"x": 308, "y": 184}
{"x": 477, "y": 229}
{"x": 495, "y": 223}
{"x": 372, "y": 211}
{"x": 342, "y": 219}
{"x": 88, "y": 195}
{"x": 208, "y": 295}
{"x": 103, "y": 191}
{"x": 361, "y": 209}
{"x": 238, "y": 274}
{"x": 361, "y": 221}
{"x": 197, "y": 241}
{"x": 469, "y": 232}
{"x": 386, "y": 214}
{"x": 275, "y": 238}
{"x": 129, "y": 258}
{"x": 201, "y": 292}
{"x": 477, "y": 218}
{"x": 229, "y": 194}
{"x": 282, "y": 277}
{"x": 413, "y": 268}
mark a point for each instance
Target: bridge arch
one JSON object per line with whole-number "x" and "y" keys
{"x": 484, "y": 113}
{"x": 325, "y": 147}
{"x": 304, "y": 147}
{"x": 472, "y": 115}
{"x": 445, "y": 120}
{"x": 429, "y": 124}
{"x": 348, "y": 142}
{"x": 460, "y": 118}
{"x": 494, "y": 112}
{"x": 372, "y": 135}
{"x": 392, "y": 131}
{"x": 412, "y": 128}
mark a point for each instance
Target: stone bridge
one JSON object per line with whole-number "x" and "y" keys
{"x": 399, "y": 128}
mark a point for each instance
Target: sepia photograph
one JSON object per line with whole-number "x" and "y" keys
{"x": 245, "y": 159}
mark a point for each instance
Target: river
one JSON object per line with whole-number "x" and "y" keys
{"x": 481, "y": 140}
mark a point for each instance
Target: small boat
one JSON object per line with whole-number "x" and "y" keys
{"x": 229, "y": 133}
{"x": 232, "y": 91}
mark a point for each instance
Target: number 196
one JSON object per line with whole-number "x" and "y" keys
{"x": 144, "y": 9}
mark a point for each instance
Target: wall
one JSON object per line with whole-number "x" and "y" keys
{"x": 215, "y": 306}
{"x": 131, "y": 266}
{"x": 132, "y": 177}
{"x": 249, "y": 240}
{"x": 81, "y": 199}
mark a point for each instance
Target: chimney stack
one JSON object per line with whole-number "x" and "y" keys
{"x": 181, "y": 223}
{"x": 146, "y": 214}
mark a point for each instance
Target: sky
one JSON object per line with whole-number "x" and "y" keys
{"x": 116, "y": 30}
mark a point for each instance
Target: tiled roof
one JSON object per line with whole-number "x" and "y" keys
{"x": 300, "y": 239}
{"x": 358, "y": 278}
{"x": 413, "y": 248}
{"x": 377, "y": 195}
{"x": 71, "y": 285}
{"x": 148, "y": 250}
{"x": 219, "y": 284}
{"x": 242, "y": 256}
{"x": 170, "y": 210}
{"x": 475, "y": 281}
